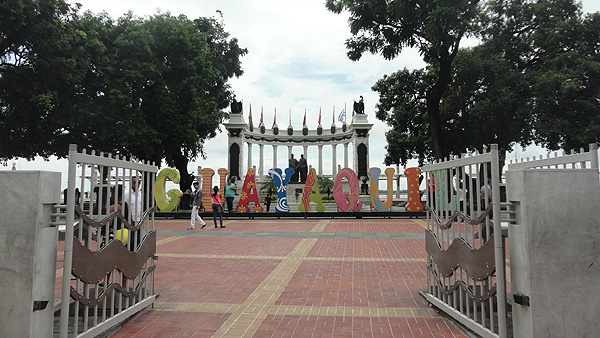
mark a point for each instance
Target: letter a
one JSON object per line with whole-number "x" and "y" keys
{"x": 311, "y": 193}
{"x": 249, "y": 194}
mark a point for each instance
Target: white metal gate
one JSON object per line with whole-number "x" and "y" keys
{"x": 110, "y": 243}
{"x": 464, "y": 242}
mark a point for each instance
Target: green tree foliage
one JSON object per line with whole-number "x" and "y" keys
{"x": 325, "y": 185}
{"x": 434, "y": 27}
{"x": 37, "y": 62}
{"x": 533, "y": 78}
{"x": 154, "y": 88}
{"x": 557, "y": 51}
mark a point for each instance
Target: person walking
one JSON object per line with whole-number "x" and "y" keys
{"x": 196, "y": 206}
{"x": 230, "y": 189}
{"x": 217, "y": 206}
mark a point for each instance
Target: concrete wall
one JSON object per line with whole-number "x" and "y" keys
{"x": 555, "y": 252}
{"x": 27, "y": 252}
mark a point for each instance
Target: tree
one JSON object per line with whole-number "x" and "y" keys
{"x": 36, "y": 64}
{"x": 533, "y": 78}
{"x": 153, "y": 88}
{"x": 434, "y": 27}
{"x": 402, "y": 105}
{"x": 325, "y": 185}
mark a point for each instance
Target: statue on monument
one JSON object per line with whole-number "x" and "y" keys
{"x": 303, "y": 168}
{"x": 294, "y": 164}
{"x": 236, "y": 107}
{"x": 359, "y": 107}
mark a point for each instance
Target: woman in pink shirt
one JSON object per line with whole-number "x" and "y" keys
{"x": 217, "y": 206}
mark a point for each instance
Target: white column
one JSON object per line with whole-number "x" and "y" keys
{"x": 346, "y": 155}
{"x": 320, "y": 160}
{"x": 289, "y": 154}
{"x": 261, "y": 161}
{"x": 306, "y": 152}
{"x": 274, "y": 156}
{"x": 249, "y": 155}
{"x": 333, "y": 160}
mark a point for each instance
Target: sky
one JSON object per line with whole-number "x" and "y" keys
{"x": 296, "y": 61}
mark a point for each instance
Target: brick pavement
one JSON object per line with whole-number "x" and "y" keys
{"x": 291, "y": 278}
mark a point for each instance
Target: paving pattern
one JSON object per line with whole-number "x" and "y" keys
{"x": 291, "y": 278}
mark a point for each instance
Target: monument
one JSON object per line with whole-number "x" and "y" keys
{"x": 354, "y": 138}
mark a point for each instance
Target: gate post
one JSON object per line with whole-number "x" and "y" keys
{"x": 27, "y": 252}
{"x": 554, "y": 252}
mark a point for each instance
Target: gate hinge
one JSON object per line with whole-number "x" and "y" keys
{"x": 522, "y": 300}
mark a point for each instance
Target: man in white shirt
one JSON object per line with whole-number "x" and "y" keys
{"x": 133, "y": 196}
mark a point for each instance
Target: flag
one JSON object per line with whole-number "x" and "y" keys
{"x": 342, "y": 116}
{"x": 250, "y": 117}
{"x": 260, "y": 124}
{"x": 319, "y": 116}
{"x": 274, "y": 119}
{"x": 304, "y": 122}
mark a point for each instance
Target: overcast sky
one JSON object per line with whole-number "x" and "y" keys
{"x": 296, "y": 60}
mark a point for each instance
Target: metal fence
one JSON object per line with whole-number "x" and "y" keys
{"x": 464, "y": 242}
{"x": 110, "y": 242}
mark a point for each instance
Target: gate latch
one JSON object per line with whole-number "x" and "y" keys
{"x": 522, "y": 300}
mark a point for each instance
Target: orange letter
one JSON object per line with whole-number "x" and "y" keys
{"x": 414, "y": 198}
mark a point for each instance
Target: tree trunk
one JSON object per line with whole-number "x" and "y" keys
{"x": 181, "y": 163}
{"x": 434, "y": 97}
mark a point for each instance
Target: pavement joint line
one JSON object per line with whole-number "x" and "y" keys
{"x": 169, "y": 239}
{"x": 421, "y": 222}
{"x": 306, "y": 258}
{"x": 299, "y": 310}
{"x": 270, "y": 289}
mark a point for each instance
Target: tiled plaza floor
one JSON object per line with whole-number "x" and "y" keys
{"x": 291, "y": 278}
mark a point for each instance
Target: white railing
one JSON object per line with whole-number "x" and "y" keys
{"x": 110, "y": 228}
{"x": 580, "y": 160}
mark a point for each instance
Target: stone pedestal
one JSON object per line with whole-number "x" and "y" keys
{"x": 555, "y": 252}
{"x": 28, "y": 246}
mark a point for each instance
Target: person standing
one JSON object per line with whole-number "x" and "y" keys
{"x": 485, "y": 194}
{"x": 133, "y": 196}
{"x": 196, "y": 206}
{"x": 217, "y": 206}
{"x": 461, "y": 194}
{"x": 230, "y": 189}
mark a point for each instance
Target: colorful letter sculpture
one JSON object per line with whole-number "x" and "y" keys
{"x": 311, "y": 193}
{"x": 222, "y": 179}
{"x": 376, "y": 203}
{"x": 281, "y": 185}
{"x": 249, "y": 194}
{"x": 346, "y": 202}
{"x": 414, "y": 197}
{"x": 170, "y": 201}
{"x": 207, "y": 175}
{"x": 441, "y": 190}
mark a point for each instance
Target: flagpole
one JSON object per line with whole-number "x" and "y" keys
{"x": 333, "y": 117}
